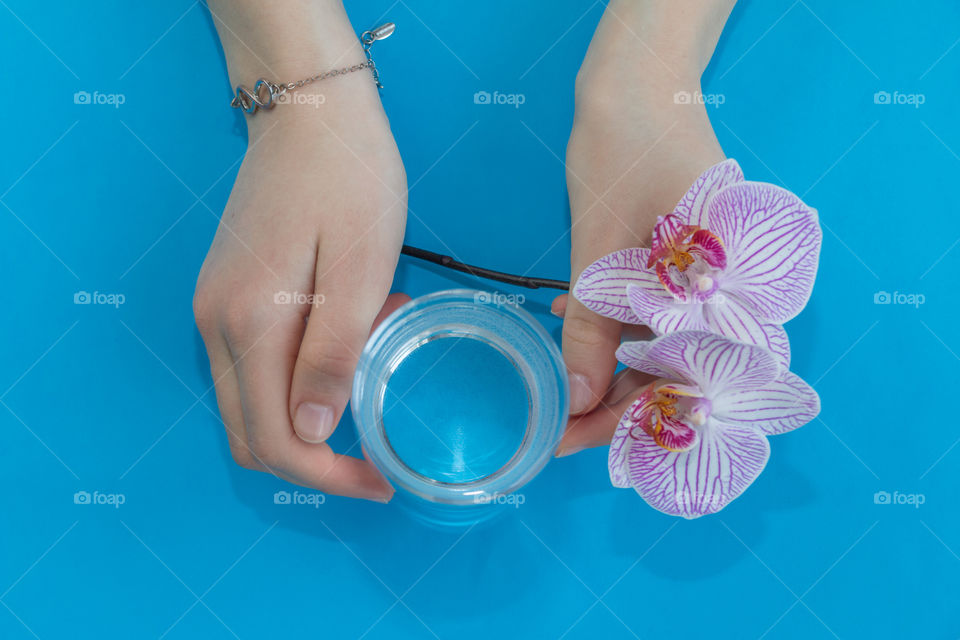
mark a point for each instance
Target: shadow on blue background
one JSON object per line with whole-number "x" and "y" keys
{"x": 118, "y": 400}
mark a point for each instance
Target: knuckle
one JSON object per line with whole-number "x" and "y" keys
{"x": 267, "y": 455}
{"x": 234, "y": 319}
{"x": 232, "y": 312}
{"x": 241, "y": 314}
{"x": 204, "y": 308}
{"x": 243, "y": 458}
{"x": 328, "y": 359}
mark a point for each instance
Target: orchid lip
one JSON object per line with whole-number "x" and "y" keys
{"x": 671, "y": 413}
{"x": 687, "y": 258}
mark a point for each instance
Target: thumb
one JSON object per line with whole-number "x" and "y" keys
{"x": 587, "y": 341}
{"x": 323, "y": 374}
{"x": 590, "y": 343}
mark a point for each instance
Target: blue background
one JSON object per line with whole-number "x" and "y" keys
{"x": 126, "y": 200}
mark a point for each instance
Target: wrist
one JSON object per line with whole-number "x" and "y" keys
{"x": 321, "y": 108}
{"x": 641, "y": 92}
{"x": 296, "y": 41}
{"x": 292, "y": 40}
{"x": 673, "y": 36}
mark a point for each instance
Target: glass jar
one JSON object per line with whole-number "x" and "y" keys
{"x": 460, "y": 398}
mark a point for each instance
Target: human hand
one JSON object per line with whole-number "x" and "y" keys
{"x": 634, "y": 151}
{"x": 313, "y": 227}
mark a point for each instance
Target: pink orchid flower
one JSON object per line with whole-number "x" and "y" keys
{"x": 697, "y": 436}
{"x": 736, "y": 258}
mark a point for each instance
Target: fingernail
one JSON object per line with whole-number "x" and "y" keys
{"x": 387, "y": 494}
{"x": 313, "y": 422}
{"x": 563, "y": 453}
{"x": 383, "y": 497}
{"x": 580, "y": 394}
{"x": 555, "y": 310}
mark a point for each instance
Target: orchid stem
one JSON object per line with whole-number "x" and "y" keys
{"x": 480, "y": 272}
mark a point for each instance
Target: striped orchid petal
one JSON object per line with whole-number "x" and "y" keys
{"x": 636, "y": 356}
{"x": 778, "y": 407}
{"x": 713, "y": 363}
{"x": 779, "y": 344}
{"x": 620, "y": 447}
{"x": 729, "y": 316}
{"x": 703, "y": 480}
{"x": 692, "y": 209}
{"x": 602, "y": 287}
{"x": 772, "y": 240}
{"x": 665, "y": 314}
{"x": 662, "y": 312}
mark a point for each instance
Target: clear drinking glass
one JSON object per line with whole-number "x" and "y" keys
{"x": 460, "y": 398}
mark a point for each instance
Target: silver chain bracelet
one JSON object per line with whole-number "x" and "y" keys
{"x": 265, "y": 92}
